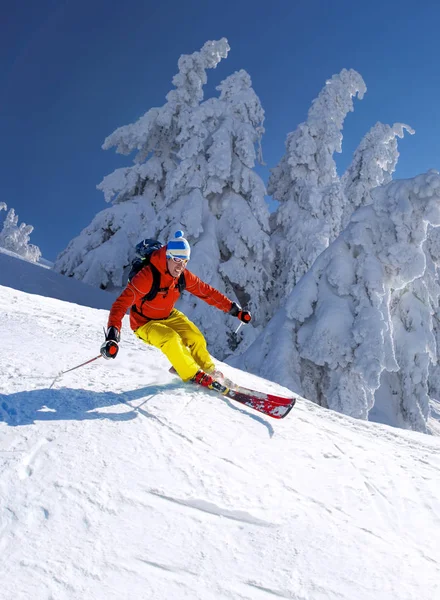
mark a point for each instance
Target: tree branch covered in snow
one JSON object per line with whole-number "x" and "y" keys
{"x": 15, "y": 237}
{"x": 306, "y": 184}
{"x": 373, "y": 164}
{"x": 341, "y": 327}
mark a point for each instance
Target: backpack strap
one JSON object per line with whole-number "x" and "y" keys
{"x": 154, "y": 286}
{"x": 181, "y": 284}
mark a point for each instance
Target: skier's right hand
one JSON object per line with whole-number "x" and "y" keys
{"x": 110, "y": 347}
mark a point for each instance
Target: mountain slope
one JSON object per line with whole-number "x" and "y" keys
{"x": 18, "y": 273}
{"x": 122, "y": 483}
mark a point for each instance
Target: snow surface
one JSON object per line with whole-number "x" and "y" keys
{"x": 38, "y": 278}
{"x": 121, "y": 482}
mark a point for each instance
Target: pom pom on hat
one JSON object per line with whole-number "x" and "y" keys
{"x": 178, "y": 247}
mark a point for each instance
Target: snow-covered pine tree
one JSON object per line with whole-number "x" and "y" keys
{"x": 243, "y": 226}
{"x": 402, "y": 398}
{"x": 217, "y": 198}
{"x": 306, "y": 184}
{"x": 416, "y": 324}
{"x": 103, "y": 251}
{"x": 433, "y": 267}
{"x": 414, "y": 311}
{"x": 15, "y": 237}
{"x": 338, "y": 331}
{"x": 374, "y": 162}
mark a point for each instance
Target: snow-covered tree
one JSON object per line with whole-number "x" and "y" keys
{"x": 373, "y": 164}
{"x": 415, "y": 315}
{"x": 217, "y": 198}
{"x": 15, "y": 237}
{"x": 102, "y": 253}
{"x": 306, "y": 184}
{"x": 243, "y": 215}
{"x": 433, "y": 266}
{"x": 339, "y": 331}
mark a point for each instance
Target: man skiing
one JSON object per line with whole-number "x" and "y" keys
{"x": 158, "y": 323}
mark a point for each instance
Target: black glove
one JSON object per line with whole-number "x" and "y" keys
{"x": 110, "y": 348}
{"x": 243, "y": 315}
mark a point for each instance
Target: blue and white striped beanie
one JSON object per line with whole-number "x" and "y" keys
{"x": 178, "y": 247}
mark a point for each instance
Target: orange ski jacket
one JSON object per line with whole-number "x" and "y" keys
{"x": 162, "y": 305}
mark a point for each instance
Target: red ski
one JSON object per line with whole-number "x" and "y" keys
{"x": 272, "y": 405}
{"x": 269, "y": 404}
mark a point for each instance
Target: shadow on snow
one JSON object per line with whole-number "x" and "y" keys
{"x": 24, "y": 408}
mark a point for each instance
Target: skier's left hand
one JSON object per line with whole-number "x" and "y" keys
{"x": 243, "y": 315}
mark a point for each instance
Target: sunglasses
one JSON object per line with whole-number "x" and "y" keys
{"x": 178, "y": 260}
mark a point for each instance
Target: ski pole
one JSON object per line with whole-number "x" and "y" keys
{"x": 238, "y": 328}
{"x": 73, "y": 368}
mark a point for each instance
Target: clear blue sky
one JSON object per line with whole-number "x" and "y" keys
{"x": 73, "y": 71}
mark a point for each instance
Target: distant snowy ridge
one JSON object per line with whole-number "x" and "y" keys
{"x": 39, "y": 279}
{"x": 41, "y": 262}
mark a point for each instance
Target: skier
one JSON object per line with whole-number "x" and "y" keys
{"x": 158, "y": 323}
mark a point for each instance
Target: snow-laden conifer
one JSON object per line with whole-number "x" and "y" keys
{"x": 306, "y": 184}
{"x": 101, "y": 254}
{"x": 433, "y": 247}
{"x": 374, "y": 162}
{"x": 243, "y": 215}
{"x": 219, "y": 201}
{"x": 339, "y": 330}
{"x": 15, "y": 237}
{"x": 403, "y": 397}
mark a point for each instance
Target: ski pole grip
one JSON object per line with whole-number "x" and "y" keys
{"x": 244, "y": 316}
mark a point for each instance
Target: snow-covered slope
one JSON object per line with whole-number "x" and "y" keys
{"x": 18, "y": 273}
{"x": 122, "y": 483}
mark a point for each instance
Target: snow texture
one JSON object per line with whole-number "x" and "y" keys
{"x": 121, "y": 482}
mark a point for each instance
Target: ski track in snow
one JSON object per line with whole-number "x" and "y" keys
{"x": 120, "y": 482}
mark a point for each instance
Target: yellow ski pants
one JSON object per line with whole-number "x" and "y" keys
{"x": 181, "y": 342}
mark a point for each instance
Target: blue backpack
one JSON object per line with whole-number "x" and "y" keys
{"x": 144, "y": 251}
